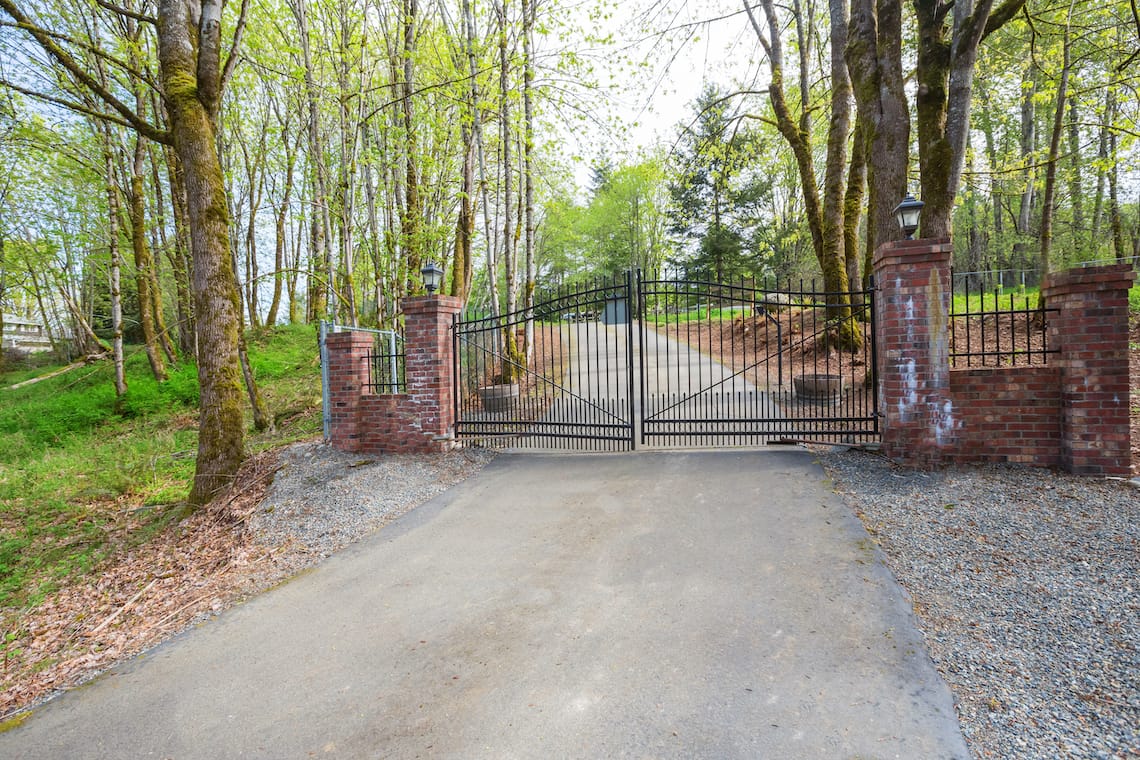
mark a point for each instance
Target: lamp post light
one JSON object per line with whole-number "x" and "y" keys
{"x": 906, "y": 214}
{"x": 433, "y": 276}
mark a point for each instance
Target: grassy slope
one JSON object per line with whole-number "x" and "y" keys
{"x": 74, "y": 464}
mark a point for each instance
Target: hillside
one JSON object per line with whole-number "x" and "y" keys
{"x": 83, "y": 475}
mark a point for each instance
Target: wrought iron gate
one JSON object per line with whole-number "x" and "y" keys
{"x": 561, "y": 377}
{"x": 665, "y": 361}
{"x": 737, "y": 364}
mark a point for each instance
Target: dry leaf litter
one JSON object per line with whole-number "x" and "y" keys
{"x": 288, "y": 510}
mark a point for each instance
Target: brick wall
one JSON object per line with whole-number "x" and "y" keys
{"x": 1072, "y": 412}
{"x": 912, "y": 311}
{"x": 423, "y": 418}
{"x": 1008, "y": 414}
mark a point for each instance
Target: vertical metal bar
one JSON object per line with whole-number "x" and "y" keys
{"x": 997, "y": 328}
{"x": 392, "y": 362}
{"x": 456, "y": 372}
{"x": 634, "y": 308}
{"x": 326, "y": 414}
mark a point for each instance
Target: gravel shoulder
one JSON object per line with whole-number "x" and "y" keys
{"x": 1025, "y": 585}
{"x": 322, "y": 499}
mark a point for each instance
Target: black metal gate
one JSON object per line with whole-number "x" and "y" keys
{"x": 669, "y": 362}
{"x": 561, "y": 377}
{"x": 737, "y": 364}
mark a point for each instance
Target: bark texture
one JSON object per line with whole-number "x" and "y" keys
{"x": 190, "y": 65}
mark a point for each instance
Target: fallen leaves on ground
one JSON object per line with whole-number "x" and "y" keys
{"x": 192, "y": 570}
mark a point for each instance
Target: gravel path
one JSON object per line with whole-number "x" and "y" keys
{"x": 1025, "y": 583}
{"x": 322, "y": 499}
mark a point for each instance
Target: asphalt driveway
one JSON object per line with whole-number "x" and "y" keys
{"x": 650, "y": 605}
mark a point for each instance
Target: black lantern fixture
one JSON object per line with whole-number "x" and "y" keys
{"x": 433, "y": 276}
{"x": 906, "y": 213}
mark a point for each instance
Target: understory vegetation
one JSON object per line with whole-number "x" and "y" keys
{"x": 78, "y": 465}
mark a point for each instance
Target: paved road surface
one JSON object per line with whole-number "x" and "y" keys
{"x": 651, "y": 605}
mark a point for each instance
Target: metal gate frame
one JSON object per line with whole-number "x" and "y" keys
{"x": 559, "y": 399}
{"x": 771, "y": 364}
{"x": 604, "y": 398}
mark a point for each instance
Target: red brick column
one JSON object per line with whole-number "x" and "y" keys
{"x": 429, "y": 363}
{"x": 912, "y": 306}
{"x": 423, "y": 418}
{"x": 1091, "y": 331}
{"x": 348, "y": 373}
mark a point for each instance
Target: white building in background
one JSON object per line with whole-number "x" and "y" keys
{"x": 25, "y": 335}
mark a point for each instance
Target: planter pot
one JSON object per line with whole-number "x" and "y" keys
{"x": 818, "y": 388}
{"x": 499, "y": 398}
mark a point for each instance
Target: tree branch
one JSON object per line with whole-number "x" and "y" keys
{"x": 124, "y": 12}
{"x": 235, "y": 49}
{"x": 80, "y": 75}
{"x": 93, "y": 50}
{"x": 208, "y": 72}
{"x": 1004, "y": 13}
{"x": 756, "y": 27}
{"x": 68, "y": 104}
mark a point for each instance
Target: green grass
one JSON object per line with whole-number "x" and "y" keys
{"x": 1021, "y": 298}
{"x": 702, "y": 314}
{"x": 75, "y": 462}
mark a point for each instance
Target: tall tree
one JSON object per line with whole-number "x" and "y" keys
{"x": 193, "y": 70}
{"x": 874, "y": 59}
{"x": 948, "y": 38}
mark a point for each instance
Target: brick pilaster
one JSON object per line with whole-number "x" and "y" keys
{"x": 348, "y": 373}
{"x": 1091, "y": 331}
{"x": 912, "y": 303}
{"x": 429, "y": 364}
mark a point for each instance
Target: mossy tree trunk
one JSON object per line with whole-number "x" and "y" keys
{"x": 949, "y": 35}
{"x": 874, "y": 59}
{"x": 825, "y": 214}
{"x": 149, "y": 299}
{"x": 191, "y": 71}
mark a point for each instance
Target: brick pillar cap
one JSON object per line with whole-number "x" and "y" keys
{"x": 432, "y": 303}
{"x": 1107, "y": 277}
{"x": 900, "y": 251}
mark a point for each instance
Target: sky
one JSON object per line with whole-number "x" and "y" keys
{"x": 682, "y": 45}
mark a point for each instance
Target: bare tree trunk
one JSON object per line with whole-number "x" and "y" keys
{"x": 1028, "y": 146}
{"x": 528, "y": 172}
{"x": 1076, "y": 184}
{"x": 181, "y": 258}
{"x": 161, "y": 244}
{"x": 280, "y": 233}
{"x": 90, "y": 342}
{"x": 997, "y": 184}
{"x": 490, "y": 231}
{"x": 412, "y": 219}
{"x": 1101, "y": 168}
{"x": 320, "y": 255}
{"x": 144, "y": 263}
{"x": 116, "y": 262}
{"x": 512, "y": 369}
{"x": 3, "y": 273}
{"x": 255, "y": 178}
{"x": 463, "y": 259}
{"x": 1048, "y": 202}
{"x": 1114, "y": 220}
